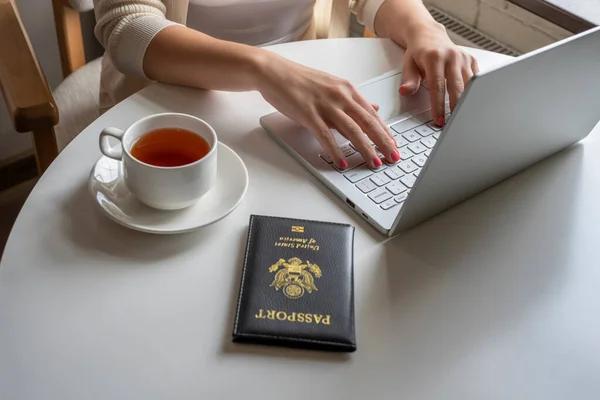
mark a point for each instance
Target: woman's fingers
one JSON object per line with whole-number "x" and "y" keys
{"x": 373, "y": 126}
{"x": 327, "y": 141}
{"x": 467, "y": 74}
{"x": 411, "y": 77}
{"x": 348, "y": 127}
{"x": 474, "y": 65}
{"x": 434, "y": 73}
{"x": 454, "y": 80}
{"x": 445, "y": 70}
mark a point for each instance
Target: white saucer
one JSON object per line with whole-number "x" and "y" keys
{"x": 114, "y": 199}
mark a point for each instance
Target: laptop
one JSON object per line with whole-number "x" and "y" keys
{"x": 507, "y": 119}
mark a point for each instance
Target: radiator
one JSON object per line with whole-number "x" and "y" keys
{"x": 464, "y": 35}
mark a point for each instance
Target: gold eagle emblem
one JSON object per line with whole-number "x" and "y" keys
{"x": 295, "y": 277}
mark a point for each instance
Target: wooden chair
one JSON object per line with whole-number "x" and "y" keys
{"x": 30, "y": 102}
{"x": 35, "y": 108}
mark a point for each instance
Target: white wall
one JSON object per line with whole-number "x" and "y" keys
{"x": 38, "y": 20}
{"x": 504, "y": 21}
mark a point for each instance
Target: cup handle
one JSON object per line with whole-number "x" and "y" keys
{"x": 105, "y": 148}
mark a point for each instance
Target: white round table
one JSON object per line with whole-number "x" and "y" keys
{"x": 498, "y": 298}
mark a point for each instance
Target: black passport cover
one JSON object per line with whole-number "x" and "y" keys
{"x": 297, "y": 286}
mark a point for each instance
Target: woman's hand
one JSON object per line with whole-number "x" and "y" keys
{"x": 431, "y": 55}
{"x": 320, "y": 102}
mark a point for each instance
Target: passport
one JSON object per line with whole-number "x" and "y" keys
{"x": 297, "y": 285}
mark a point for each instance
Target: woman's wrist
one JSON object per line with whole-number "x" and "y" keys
{"x": 416, "y": 29}
{"x": 258, "y": 62}
{"x": 264, "y": 65}
{"x": 403, "y": 21}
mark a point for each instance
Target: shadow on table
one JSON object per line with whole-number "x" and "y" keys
{"x": 474, "y": 274}
{"x": 237, "y": 349}
{"x": 89, "y": 229}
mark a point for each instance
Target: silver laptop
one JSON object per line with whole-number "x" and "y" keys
{"x": 507, "y": 119}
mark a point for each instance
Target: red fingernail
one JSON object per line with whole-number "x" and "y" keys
{"x": 377, "y": 162}
{"x": 395, "y": 156}
{"x": 343, "y": 164}
{"x": 440, "y": 121}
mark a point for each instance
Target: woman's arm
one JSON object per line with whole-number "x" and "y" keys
{"x": 140, "y": 41}
{"x": 316, "y": 100}
{"x": 183, "y": 56}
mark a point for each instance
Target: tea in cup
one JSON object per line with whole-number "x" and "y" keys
{"x": 169, "y": 160}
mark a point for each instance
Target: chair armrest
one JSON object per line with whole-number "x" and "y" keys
{"x": 26, "y": 92}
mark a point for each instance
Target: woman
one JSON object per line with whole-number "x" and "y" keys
{"x": 215, "y": 44}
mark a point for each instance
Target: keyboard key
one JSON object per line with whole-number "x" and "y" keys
{"x": 382, "y": 168}
{"x": 366, "y": 186}
{"x": 400, "y": 141}
{"x": 411, "y": 136}
{"x": 353, "y": 161}
{"x": 386, "y": 205}
{"x": 408, "y": 180}
{"x": 393, "y": 173}
{"x": 403, "y": 126}
{"x": 354, "y": 147}
{"x": 423, "y": 118}
{"x": 380, "y": 195}
{"x": 405, "y": 153}
{"x": 347, "y": 150}
{"x": 407, "y": 166}
{"x": 436, "y": 135}
{"x": 381, "y": 157}
{"x": 429, "y": 142}
{"x": 424, "y": 130}
{"x": 401, "y": 198}
{"x": 420, "y": 160}
{"x": 358, "y": 173}
{"x": 380, "y": 179}
{"x": 396, "y": 188}
{"x": 433, "y": 126}
{"x": 326, "y": 157}
{"x": 372, "y": 145}
{"x": 417, "y": 147}
{"x": 427, "y": 153}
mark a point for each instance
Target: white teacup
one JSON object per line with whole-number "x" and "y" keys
{"x": 165, "y": 188}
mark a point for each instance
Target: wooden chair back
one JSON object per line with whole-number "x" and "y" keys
{"x": 26, "y": 92}
{"x": 69, "y": 35}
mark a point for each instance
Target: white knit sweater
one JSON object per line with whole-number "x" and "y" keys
{"x": 126, "y": 27}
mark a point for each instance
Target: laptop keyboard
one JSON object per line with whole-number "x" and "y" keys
{"x": 389, "y": 185}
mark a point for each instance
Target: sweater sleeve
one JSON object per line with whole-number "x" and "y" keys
{"x": 125, "y": 28}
